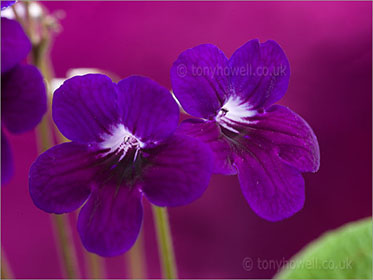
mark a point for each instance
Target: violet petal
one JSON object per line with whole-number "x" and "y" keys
{"x": 110, "y": 221}
{"x": 85, "y": 108}
{"x": 273, "y": 189}
{"x": 24, "y": 100}
{"x": 200, "y": 80}
{"x": 177, "y": 172}
{"x": 149, "y": 111}
{"x": 266, "y": 76}
{"x": 210, "y": 133}
{"x": 60, "y": 179}
{"x": 280, "y": 130}
{"x": 7, "y": 165}
{"x": 14, "y": 44}
{"x": 290, "y": 135}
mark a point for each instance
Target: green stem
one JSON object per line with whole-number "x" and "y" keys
{"x": 94, "y": 265}
{"x": 45, "y": 141}
{"x": 44, "y": 137}
{"x": 60, "y": 222}
{"x": 136, "y": 261}
{"x": 16, "y": 15}
{"x": 6, "y": 272}
{"x": 68, "y": 253}
{"x": 165, "y": 245}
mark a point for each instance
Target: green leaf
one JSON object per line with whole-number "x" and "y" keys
{"x": 345, "y": 253}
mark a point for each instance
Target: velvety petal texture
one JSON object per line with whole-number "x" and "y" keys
{"x": 290, "y": 136}
{"x": 203, "y": 79}
{"x": 210, "y": 133}
{"x": 177, "y": 172}
{"x": 110, "y": 221}
{"x": 200, "y": 80}
{"x": 149, "y": 111}
{"x": 85, "y": 108}
{"x": 23, "y": 100}
{"x": 267, "y": 74}
{"x": 273, "y": 189}
{"x": 60, "y": 179}
{"x": 14, "y": 44}
{"x": 7, "y": 165}
{"x": 280, "y": 130}
{"x": 270, "y": 150}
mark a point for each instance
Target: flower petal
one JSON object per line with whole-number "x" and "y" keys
{"x": 267, "y": 73}
{"x": 7, "y": 166}
{"x": 148, "y": 110}
{"x": 177, "y": 172}
{"x": 110, "y": 221}
{"x": 286, "y": 133}
{"x": 200, "y": 80}
{"x": 85, "y": 108}
{"x": 24, "y": 100}
{"x": 210, "y": 133}
{"x": 295, "y": 140}
{"x": 14, "y": 44}
{"x": 272, "y": 188}
{"x": 60, "y": 179}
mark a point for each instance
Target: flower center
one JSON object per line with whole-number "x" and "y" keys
{"x": 120, "y": 142}
{"x": 234, "y": 112}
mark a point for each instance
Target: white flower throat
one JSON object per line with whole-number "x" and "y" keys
{"x": 234, "y": 111}
{"x": 120, "y": 141}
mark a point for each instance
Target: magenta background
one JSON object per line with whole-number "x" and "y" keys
{"x": 329, "y": 47}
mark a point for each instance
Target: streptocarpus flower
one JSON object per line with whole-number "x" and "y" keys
{"x": 269, "y": 146}
{"x": 124, "y": 145}
{"x": 23, "y": 94}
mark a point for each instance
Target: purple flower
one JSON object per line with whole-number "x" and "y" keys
{"x": 124, "y": 145}
{"x": 23, "y": 95}
{"x": 268, "y": 146}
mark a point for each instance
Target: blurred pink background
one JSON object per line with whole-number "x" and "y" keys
{"x": 329, "y": 45}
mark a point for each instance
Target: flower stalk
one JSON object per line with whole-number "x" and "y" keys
{"x": 6, "y": 272}
{"x": 45, "y": 141}
{"x": 68, "y": 253}
{"x": 136, "y": 261}
{"x": 165, "y": 245}
{"x": 95, "y": 266}
{"x": 60, "y": 222}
